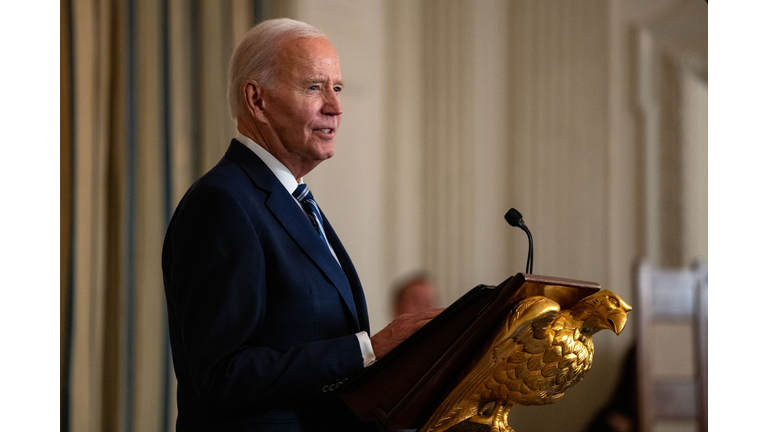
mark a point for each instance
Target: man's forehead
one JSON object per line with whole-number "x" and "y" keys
{"x": 307, "y": 52}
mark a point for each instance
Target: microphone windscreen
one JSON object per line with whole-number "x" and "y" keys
{"x": 513, "y": 217}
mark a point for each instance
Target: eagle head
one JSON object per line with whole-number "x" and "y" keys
{"x": 602, "y": 310}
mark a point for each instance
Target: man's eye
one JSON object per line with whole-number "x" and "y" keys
{"x": 337, "y": 89}
{"x": 314, "y": 87}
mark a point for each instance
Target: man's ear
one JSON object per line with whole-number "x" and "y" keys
{"x": 254, "y": 100}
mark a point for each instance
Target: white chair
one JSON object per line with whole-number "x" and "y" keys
{"x": 671, "y": 295}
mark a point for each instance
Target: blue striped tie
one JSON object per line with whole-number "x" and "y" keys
{"x": 308, "y": 203}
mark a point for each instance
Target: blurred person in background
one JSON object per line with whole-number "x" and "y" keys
{"x": 415, "y": 294}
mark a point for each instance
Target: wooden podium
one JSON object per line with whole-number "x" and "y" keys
{"x": 403, "y": 388}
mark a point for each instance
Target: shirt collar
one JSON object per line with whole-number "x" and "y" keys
{"x": 278, "y": 169}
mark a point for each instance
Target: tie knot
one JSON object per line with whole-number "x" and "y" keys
{"x": 302, "y": 193}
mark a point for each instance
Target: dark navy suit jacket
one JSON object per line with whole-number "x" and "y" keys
{"x": 262, "y": 318}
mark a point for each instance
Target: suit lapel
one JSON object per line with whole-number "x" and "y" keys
{"x": 349, "y": 270}
{"x": 298, "y": 226}
{"x": 294, "y": 220}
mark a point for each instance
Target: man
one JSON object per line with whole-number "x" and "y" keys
{"x": 266, "y": 313}
{"x": 413, "y": 295}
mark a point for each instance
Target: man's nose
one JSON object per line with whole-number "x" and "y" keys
{"x": 331, "y": 103}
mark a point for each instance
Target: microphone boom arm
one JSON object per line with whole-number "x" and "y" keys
{"x": 515, "y": 218}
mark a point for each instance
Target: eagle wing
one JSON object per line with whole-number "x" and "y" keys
{"x": 489, "y": 377}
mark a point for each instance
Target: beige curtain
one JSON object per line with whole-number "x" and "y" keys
{"x": 143, "y": 113}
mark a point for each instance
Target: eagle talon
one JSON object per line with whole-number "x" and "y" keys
{"x": 494, "y": 414}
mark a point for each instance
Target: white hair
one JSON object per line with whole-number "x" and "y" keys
{"x": 254, "y": 57}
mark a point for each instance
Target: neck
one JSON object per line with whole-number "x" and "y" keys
{"x": 253, "y": 132}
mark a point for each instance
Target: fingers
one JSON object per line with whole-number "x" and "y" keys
{"x": 431, "y": 313}
{"x": 426, "y": 314}
{"x": 400, "y": 329}
{"x": 425, "y": 317}
{"x": 413, "y": 322}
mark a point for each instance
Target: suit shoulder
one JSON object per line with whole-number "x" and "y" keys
{"x": 227, "y": 178}
{"x": 224, "y": 174}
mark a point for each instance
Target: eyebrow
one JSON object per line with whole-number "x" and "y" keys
{"x": 323, "y": 81}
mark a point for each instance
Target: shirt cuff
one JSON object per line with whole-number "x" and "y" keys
{"x": 366, "y": 348}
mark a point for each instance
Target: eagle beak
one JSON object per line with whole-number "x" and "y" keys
{"x": 617, "y": 319}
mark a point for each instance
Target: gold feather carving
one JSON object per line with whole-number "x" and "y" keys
{"x": 536, "y": 354}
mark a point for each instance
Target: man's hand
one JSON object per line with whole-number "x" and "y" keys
{"x": 399, "y": 330}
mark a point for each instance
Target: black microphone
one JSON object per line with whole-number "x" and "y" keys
{"x": 515, "y": 219}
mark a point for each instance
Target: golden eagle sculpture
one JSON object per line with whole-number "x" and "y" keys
{"x": 537, "y": 354}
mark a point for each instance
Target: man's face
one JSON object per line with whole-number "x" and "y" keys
{"x": 416, "y": 298}
{"x": 303, "y": 110}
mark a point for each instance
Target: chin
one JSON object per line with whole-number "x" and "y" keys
{"x": 326, "y": 151}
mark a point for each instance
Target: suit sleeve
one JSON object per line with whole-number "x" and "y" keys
{"x": 214, "y": 267}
